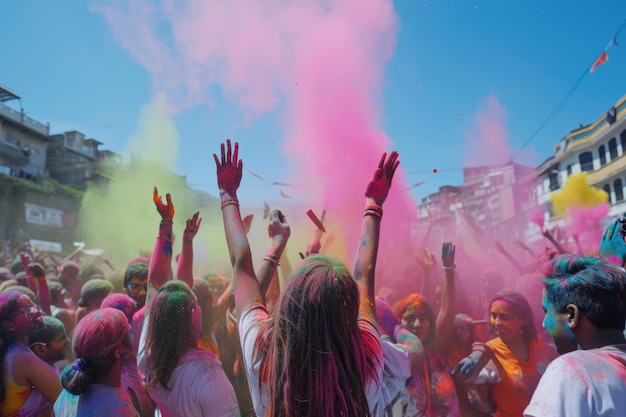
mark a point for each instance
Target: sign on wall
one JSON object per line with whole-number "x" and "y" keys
{"x": 43, "y": 216}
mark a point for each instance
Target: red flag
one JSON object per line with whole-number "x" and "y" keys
{"x": 601, "y": 60}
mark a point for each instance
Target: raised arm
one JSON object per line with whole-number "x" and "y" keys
{"x": 445, "y": 319}
{"x": 548, "y": 235}
{"x": 160, "y": 269}
{"x": 427, "y": 261}
{"x": 612, "y": 241}
{"x": 279, "y": 232}
{"x": 516, "y": 264}
{"x": 365, "y": 261}
{"x": 229, "y": 173}
{"x": 184, "y": 272}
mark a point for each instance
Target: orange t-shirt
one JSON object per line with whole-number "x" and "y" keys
{"x": 519, "y": 379}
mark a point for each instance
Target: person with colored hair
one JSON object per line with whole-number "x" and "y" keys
{"x": 519, "y": 354}
{"x": 319, "y": 351}
{"x": 28, "y": 385}
{"x": 584, "y": 300}
{"x": 136, "y": 287}
{"x": 403, "y": 355}
{"x": 432, "y": 390}
{"x": 91, "y": 384}
{"x": 91, "y": 295}
{"x": 136, "y": 281}
{"x": 131, "y": 380}
{"x": 181, "y": 378}
{"x": 49, "y": 341}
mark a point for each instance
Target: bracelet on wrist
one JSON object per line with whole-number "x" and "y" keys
{"x": 449, "y": 268}
{"x": 374, "y": 207}
{"x": 272, "y": 258}
{"x": 233, "y": 201}
{"x": 166, "y": 222}
{"x": 374, "y": 213}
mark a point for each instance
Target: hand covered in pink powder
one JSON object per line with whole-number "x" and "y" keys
{"x": 379, "y": 185}
{"x": 165, "y": 210}
{"x": 229, "y": 170}
{"x": 191, "y": 227}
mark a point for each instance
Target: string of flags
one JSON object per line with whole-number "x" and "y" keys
{"x": 604, "y": 56}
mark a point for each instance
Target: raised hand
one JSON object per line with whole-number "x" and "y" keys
{"x": 278, "y": 229}
{"x": 229, "y": 169}
{"x": 36, "y": 270}
{"x": 247, "y": 222}
{"x": 165, "y": 210}
{"x": 379, "y": 185}
{"x": 447, "y": 254}
{"x": 191, "y": 227}
{"x": 426, "y": 260}
{"x": 612, "y": 241}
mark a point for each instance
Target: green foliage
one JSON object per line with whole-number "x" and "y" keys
{"x": 47, "y": 187}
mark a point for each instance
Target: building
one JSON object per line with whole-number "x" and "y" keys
{"x": 598, "y": 149}
{"x": 23, "y": 141}
{"x": 494, "y": 199}
{"x": 74, "y": 159}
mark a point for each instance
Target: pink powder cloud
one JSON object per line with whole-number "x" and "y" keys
{"x": 318, "y": 63}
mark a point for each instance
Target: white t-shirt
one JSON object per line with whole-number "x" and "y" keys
{"x": 249, "y": 325}
{"x": 583, "y": 383}
{"x": 198, "y": 386}
{"x": 395, "y": 397}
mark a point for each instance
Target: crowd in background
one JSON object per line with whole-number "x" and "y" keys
{"x": 81, "y": 337}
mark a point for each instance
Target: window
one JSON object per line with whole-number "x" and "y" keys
{"x": 553, "y": 177}
{"x": 622, "y": 138}
{"x": 613, "y": 148}
{"x": 619, "y": 191}
{"x": 602, "y": 152}
{"x": 586, "y": 161}
{"x": 607, "y": 189}
{"x": 569, "y": 170}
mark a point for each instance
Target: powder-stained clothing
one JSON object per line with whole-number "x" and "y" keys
{"x": 198, "y": 385}
{"x": 432, "y": 390}
{"x": 250, "y": 324}
{"x": 98, "y": 400}
{"x": 137, "y": 395}
{"x": 20, "y": 400}
{"x": 519, "y": 379}
{"x": 583, "y": 383}
{"x": 395, "y": 397}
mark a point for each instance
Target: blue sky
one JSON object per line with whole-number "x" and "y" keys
{"x": 449, "y": 59}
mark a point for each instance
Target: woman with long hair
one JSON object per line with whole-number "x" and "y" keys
{"x": 28, "y": 385}
{"x": 319, "y": 352}
{"x": 519, "y": 354}
{"x": 183, "y": 380}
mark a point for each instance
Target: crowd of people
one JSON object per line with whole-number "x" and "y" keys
{"x": 77, "y": 340}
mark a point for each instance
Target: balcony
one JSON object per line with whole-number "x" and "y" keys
{"x": 616, "y": 166}
{"x": 24, "y": 121}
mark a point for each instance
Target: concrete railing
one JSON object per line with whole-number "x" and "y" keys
{"x": 25, "y": 121}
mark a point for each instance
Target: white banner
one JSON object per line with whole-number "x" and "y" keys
{"x": 45, "y": 246}
{"x": 43, "y": 216}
